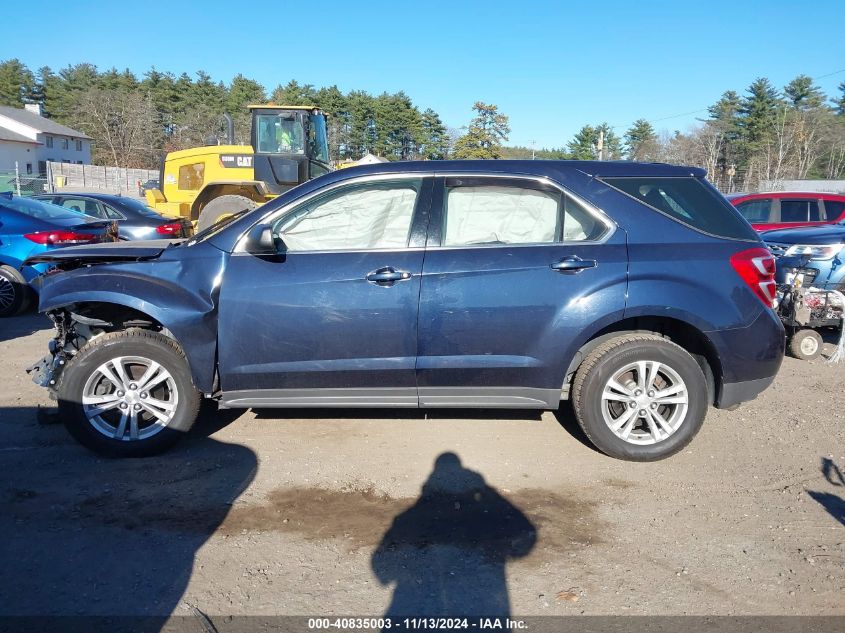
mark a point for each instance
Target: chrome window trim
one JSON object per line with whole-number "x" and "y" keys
{"x": 593, "y": 210}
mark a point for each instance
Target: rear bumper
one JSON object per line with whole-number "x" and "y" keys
{"x": 750, "y": 358}
{"x": 734, "y": 393}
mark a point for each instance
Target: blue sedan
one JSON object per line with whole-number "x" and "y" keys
{"x": 137, "y": 221}
{"x": 30, "y": 227}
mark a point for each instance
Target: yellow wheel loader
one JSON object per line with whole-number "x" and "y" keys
{"x": 288, "y": 147}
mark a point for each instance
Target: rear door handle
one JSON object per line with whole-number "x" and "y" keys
{"x": 573, "y": 264}
{"x": 388, "y": 276}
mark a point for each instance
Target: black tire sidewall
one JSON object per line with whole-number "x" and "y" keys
{"x": 21, "y": 290}
{"x": 224, "y": 204}
{"x": 82, "y": 365}
{"x": 590, "y": 413}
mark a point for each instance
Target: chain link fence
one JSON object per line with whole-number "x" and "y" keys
{"x": 24, "y": 184}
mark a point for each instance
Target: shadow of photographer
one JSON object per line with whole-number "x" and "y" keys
{"x": 446, "y": 554}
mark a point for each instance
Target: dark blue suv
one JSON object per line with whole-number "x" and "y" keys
{"x": 634, "y": 290}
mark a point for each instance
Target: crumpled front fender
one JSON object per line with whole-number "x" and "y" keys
{"x": 180, "y": 293}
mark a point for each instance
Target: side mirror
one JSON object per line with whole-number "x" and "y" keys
{"x": 263, "y": 242}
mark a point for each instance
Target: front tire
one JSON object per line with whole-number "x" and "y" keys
{"x": 222, "y": 206}
{"x": 128, "y": 394}
{"x": 640, "y": 397}
{"x": 14, "y": 292}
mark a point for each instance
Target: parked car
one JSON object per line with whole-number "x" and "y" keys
{"x": 148, "y": 185}
{"x": 815, "y": 250}
{"x": 634, "y": 290}
{"x": 29, "y": 227}
{"x": 137, "y": 221}
{"x": 789, "y": 209}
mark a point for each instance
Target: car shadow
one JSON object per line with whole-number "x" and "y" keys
{"x": 446, "y": 555}
{"x": 23, "y": 325}
{"x": 398, "y": 414}
{"x": 834, "y": 504}
{"x": 565, "y": 416}
{"x": 98, "y": 538}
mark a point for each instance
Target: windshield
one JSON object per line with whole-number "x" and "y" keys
{"x": 41, "y": 210}
{"x": 279, "y": 134}
{"x": 317, "y": 138}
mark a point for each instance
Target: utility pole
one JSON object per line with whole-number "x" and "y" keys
{"x": 17, "y": 178}
{"x": 600, "y": 145}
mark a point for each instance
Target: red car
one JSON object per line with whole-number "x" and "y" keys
{"x": 787, "y": 209}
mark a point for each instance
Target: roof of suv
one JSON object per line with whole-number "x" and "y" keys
{"x": 531, "y": 167}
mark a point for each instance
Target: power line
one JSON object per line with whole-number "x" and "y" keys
{"x": 676, "y": 116}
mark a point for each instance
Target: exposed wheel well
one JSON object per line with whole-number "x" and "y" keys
{"x": 679, "y": 332}
{"x": 111, "y": 316}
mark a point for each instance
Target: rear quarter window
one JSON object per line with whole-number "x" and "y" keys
{"x": 689, "y": 201}
{"x": 834, "y": 209}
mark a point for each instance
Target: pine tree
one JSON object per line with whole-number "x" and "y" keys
{"x": 758, "y": 111}
{"x": 435, "y": 140}
{"x": 802, "y": 94}
{"x": 641, "y": 141}
{"x": 16, "y": 83}
{"x": 485, "y": 135}
{"x": 839, "y": 102}
{"x": 293, "y": 94}
{"x": 583, "y": 144}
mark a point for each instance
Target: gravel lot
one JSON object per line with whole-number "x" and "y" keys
{"x": 323, "y": 512}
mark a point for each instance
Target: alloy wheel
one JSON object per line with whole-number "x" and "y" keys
{"x": 7, "y": 293}
{"x": 130, "y": 398}
{"x": 644, "y": 402}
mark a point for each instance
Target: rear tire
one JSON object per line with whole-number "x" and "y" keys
{"x": 128, "y": 394}
{"x": 15, "y": 293}
{"x": 805, "y": 344}
{"x": 616, "y": 395}
{"x": 224, "y": 205}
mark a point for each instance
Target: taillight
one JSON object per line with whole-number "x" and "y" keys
{"x": 756, "y": 266}
{"x": 61, "y": 238}
{"x": 169, "y": 229}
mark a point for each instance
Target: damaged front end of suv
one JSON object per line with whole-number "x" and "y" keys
{"x": 136, "y": 328}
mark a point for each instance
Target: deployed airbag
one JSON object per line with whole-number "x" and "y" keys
{"x": 506, "y": 215}
{"x": 366, "y": 218}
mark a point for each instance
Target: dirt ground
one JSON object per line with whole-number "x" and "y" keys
{"x": 386, "y": 512}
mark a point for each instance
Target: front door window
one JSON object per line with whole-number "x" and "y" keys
{"x": 369, "y": 216}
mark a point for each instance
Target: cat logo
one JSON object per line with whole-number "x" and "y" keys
{"x": 236, "y": 160}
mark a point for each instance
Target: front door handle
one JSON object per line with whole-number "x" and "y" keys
{"x": 388, "y": 276}
{"x": 573, "y": 264}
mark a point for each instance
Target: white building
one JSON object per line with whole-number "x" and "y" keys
{"x": 31, "y": 140}
{"x": 371, "y": 159}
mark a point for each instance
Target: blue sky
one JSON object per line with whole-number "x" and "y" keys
{"x": 550, "y": 66}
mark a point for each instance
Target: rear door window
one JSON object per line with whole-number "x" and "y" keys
{"x": 799, "y": 210}
{"x": 834, "y": 209}
{"x": 756, "y": 210}
{"x": 485, "y": 211}
{"x": 689, "y": 201}
{"x": 86, "y": 206}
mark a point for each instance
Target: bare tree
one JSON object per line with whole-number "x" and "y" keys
{"x": 122, "y": 124}
{"x": 709, "y": 140}
{"x": 776, "y": 155}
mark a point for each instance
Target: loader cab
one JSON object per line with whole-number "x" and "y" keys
{"x": 290, "y": 145}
